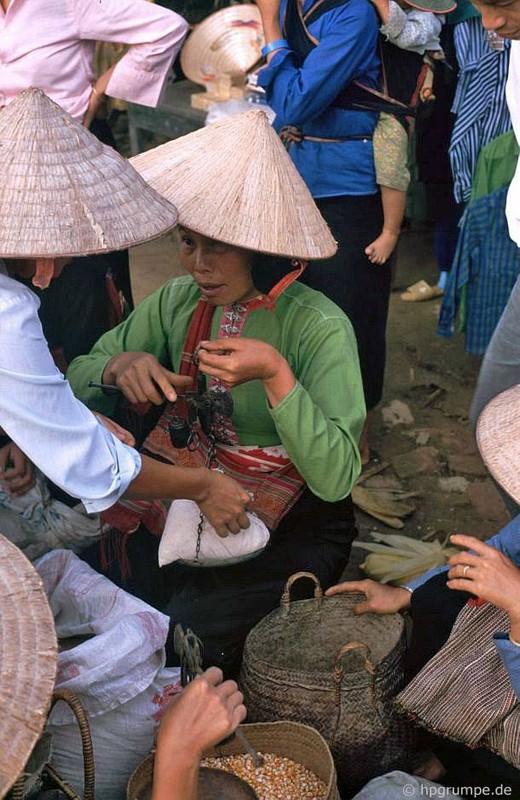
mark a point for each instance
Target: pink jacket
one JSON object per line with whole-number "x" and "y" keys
{"x": 50, "y": 44}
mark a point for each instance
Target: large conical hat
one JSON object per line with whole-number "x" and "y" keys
{"x": 227, "y": 42}
{"x": 233, "y": 181}
{"x": 498, "y": 439}
{"x": 63, "y": 193}
{"x": 28, "y": 658}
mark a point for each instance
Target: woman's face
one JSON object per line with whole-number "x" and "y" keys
{"x": 222, "y": 272}
{"x": 503, "y": 17}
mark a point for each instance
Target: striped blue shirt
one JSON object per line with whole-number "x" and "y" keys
{"x": 479, "y": 104}
{"x": 485, "y": 268}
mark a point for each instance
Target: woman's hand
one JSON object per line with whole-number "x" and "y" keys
{"x": 223, "y": 503}
{"x": 95, "y": 105}
{"x": 236, "y": 361}
{"x": 97, "y": 97}
{"x": 16, "y": 471}
{"x": 142, "y": 379}
{"x": 116, "y": 430}
{"x": 380, "y": 598}
{"x": 487, "y": 573}
{"x": 206, "y": 712}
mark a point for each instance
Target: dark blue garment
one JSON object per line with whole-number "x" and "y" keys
{"x": 484, "y": 271}
{"x": 507, "y": 541}
{"x": 303, "y": 96}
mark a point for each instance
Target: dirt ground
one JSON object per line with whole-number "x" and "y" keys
{"x": 421, "y": 429}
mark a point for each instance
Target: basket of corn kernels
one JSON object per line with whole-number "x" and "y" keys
{"x": 297, "y": 765}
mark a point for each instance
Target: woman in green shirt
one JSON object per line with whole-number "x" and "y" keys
{"x": 288, "y": 358}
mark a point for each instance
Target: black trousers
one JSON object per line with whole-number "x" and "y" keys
{"x": 75, "y": 309}
{"x": 359, "y": 288}
{"x": 222, "y": 604}
{"x": 434, "y": 610}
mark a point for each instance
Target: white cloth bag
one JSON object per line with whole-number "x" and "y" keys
{"x": 118, "y": 674}
{"x": 179, "y": 539}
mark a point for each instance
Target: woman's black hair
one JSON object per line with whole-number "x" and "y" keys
{"x": 268, "y": 270}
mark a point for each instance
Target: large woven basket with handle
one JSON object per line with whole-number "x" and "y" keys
{"x": 289, "y": 739}
{"x": 316, "y": 662}
{"x": 51, "y": 779}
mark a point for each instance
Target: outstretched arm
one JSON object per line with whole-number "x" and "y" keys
{"x": 380, "y": 598}
{"x": 39, "y": 412}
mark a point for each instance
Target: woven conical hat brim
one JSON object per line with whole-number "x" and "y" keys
{"x": 234, "y": 182}
{"x": 498, "y": 439}
{"x": 227, "y": 42}
{"x": 63, "y": 193}
{"x": 28, "y": 658}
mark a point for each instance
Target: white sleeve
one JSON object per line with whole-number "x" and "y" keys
{"x": 513, "y": 102}
{"x": 154, "y": 35}
{"x": 43, "y": 417}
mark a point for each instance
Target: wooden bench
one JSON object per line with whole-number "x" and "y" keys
{"x": 174, "y": 117}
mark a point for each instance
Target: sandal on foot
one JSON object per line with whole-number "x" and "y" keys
{"x": 421, "y": 291}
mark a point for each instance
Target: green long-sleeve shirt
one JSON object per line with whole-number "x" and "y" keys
{"x": 320, "y": 420}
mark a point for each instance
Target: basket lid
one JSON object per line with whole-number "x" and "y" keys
{"x": 227, "y": 42}
{"x": 308, "y": 635}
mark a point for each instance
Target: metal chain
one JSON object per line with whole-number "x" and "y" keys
{"x": 199, "y": 536}
{"x": 211, "y": 459}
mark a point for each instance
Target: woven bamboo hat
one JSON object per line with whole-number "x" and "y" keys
{"x": 434, "y": 6}
{"x": 28, "y": 658}
{"x": 227, "y": 42}
{"x": 498, "y": 439}
{"x": 233, "y": 181}
{"x": 63, "y": 193}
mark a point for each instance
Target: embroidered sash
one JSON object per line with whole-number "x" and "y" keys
{"x": 266, "y": 472}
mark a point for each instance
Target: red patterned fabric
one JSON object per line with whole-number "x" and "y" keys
{"x": 268, "y": 474}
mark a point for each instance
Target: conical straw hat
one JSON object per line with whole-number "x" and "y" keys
{"x": 227, "y": 42}
{"x": 233, "y": 181}
{"x": 63, "y": 193}
{"x": 28, "y": 658}
{"x": 498, "y": 439}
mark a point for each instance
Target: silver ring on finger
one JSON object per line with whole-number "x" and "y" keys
{"x": 464, "y": 571}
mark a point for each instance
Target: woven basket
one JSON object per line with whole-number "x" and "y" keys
{"x": 289, "y": 739}
{"x": 316, "y": 662}
{"x": 52, "y": 778}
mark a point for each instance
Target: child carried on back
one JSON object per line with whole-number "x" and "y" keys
{"x": 418, "y": 31}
